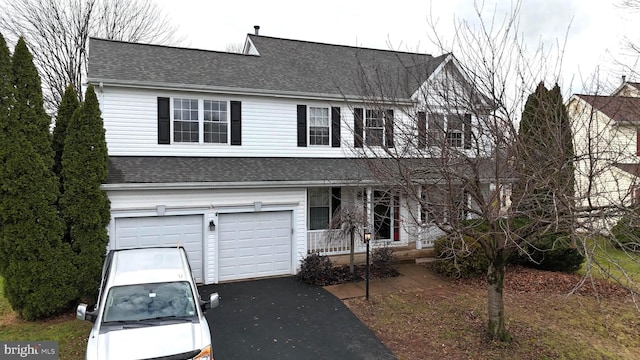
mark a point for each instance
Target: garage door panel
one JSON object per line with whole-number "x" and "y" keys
{"x": 254, "y": 245}
{"x": 164, "y": 231}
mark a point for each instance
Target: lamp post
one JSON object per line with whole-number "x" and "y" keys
{"x": 367, "y": 240}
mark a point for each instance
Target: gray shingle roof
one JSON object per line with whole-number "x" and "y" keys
{"x": 165, "y": 169}
{"x": 305, "y": 171}
{"x": 619, "y": 108}
{"x": 283, "y": 67}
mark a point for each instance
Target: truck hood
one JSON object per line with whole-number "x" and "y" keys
{"x": 149, "y": 341}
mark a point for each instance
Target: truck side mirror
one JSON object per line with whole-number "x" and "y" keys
{"x": 214, "y": 301}
{"x": 83, "y": 314}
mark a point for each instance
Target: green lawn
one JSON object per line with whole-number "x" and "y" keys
{"x": 613, "y": 263}
{"x": 71, "y": 334}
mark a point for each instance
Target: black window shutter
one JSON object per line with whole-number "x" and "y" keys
{"x": 357, "y": 127}
{"x": 236, "y": 123}
{"x": 335, "y": 199}
{"x": 467, "y": 131}
{"x": 302, "y": 125}
{"x": 164, "y": 121}
{"x": 388, "y": 128}
{"x": 335, "y": 127}
{"x": 422, "y": 129}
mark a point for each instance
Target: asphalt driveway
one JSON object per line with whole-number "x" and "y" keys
{"x": 281, "y": 318}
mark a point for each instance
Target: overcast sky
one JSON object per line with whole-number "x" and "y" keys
{"x": 594, "y": 29}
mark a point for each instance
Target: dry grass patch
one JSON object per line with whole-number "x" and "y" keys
{"x": 546, "y": 324}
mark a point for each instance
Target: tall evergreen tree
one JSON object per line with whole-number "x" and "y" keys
{"x": 84, "y": 206}
{"x": 6, "y": 103}
{"x": 6, "y": 81}
{"x": 545, "y": 156}
{"x": 29, "y": 108}
{"x": 566, "y": 179}
{"x": 36, "y": 263}
{"x": 67, "y": 107}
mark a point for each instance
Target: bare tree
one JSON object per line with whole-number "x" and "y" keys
{"x": 454, "y": 148}
{"x": 234, "y": 48}
{"x": 348, "y": 222}
{"x": 57, "y": 33}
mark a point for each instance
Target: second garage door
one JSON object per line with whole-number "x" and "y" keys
{"x": 254, "y": 245}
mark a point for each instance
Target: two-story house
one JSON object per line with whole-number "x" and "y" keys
{"x": 606, "y": 132}
{"x": 244, "y": 158}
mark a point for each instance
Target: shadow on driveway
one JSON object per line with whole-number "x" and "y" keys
{"x": 281, "y": 318}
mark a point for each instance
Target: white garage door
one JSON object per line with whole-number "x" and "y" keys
{"x": 162, "y": 231}
{"x": 254, "y": 245}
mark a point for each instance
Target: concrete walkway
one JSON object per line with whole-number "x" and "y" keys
{"x": 413, "y": 277}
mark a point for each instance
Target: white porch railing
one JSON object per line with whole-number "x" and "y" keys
{"x": 320, "y": 242}
{"x": 427, "y": 235}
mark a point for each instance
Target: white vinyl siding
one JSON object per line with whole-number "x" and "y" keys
{"x": 268, "y": 126}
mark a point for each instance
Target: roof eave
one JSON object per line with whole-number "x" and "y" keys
{"x": 241, "y": 91}
{"x": 232, "y": 185}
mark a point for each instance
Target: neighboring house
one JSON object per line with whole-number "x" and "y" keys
{"x": 243, "y": 158}
{"x": 607, "y": 146}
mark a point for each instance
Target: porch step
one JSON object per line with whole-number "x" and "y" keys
{"x": 425, "y": 260}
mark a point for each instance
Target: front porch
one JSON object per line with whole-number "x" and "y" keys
{"x": 328, "y": 242}
{"x": 402, "y": 254}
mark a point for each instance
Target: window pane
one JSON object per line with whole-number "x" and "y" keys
{"x": 319, "y": 196}
{"x": 373, "y": 137}
{"x": 318, "y": 218}
{"x": 318, "y": 136}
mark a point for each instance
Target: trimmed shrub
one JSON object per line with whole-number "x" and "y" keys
{"x": 382, "y": 261}
{"x": 316, "y": 270}
{"x": 459, "y": 258}
{"x": 627, "y": 234}
{"x": 319, "y": 270}
{"x": 554, "y": 252}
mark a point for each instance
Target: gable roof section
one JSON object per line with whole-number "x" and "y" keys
{"x": 283, "y": 67}
{"x": 619, "y": 108}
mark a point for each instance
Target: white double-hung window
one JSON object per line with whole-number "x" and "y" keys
{"x": 186, "y": 125}
{"x": 200, "y": 121}
{"x": 319, "y": 126}
{"x": 215, "y": 121}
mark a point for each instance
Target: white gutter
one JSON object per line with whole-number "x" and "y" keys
{"x": 244, "y": 91}
{"x": 230, "y": 185}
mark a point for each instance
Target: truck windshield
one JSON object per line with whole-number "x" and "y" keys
{"x": 149, "y": 301}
